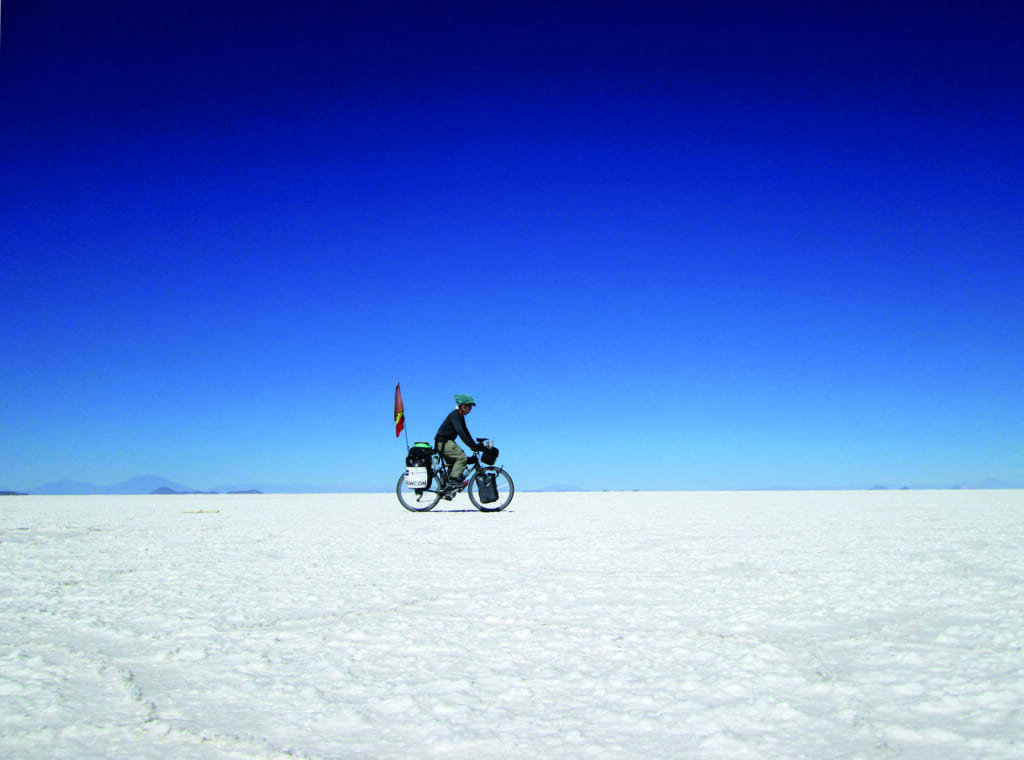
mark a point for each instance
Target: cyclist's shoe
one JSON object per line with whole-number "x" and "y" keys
{"x": 453, "y": 487}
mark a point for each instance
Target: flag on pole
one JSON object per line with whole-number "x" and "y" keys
{"x": 399, "y": 411}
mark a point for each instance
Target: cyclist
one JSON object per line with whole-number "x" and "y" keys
{"x": 453, "y": 428}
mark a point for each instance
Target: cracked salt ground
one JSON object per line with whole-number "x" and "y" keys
{"x": 690, "y": 625}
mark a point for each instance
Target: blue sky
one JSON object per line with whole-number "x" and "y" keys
{"x": 664, "y": 245}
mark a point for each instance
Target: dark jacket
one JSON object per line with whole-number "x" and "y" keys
{"x": 454, "y": 426}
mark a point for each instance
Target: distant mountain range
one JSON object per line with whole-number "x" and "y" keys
{"x": 986, "y": 483}
{"x": 150, "y": 484}
{"x": 144, "y": 484}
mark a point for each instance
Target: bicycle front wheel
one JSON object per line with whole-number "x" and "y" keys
{"x": 503, "y": 483}
{"x": 419, "y": 499}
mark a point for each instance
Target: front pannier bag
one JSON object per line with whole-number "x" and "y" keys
{"x": 487, "y": 487}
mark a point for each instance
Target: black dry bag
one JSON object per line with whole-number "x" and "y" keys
{"x": 419, "y": 455}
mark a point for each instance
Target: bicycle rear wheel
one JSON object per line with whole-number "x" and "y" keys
{"x": 506, "y": 489}
{"x": 419, "y": 499}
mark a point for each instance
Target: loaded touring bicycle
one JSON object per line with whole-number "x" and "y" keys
{"x": 425, "y": 480}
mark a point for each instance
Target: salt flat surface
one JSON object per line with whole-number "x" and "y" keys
{"x": 611, "y": 625}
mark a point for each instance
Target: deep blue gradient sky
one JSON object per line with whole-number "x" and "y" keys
{"x": 664, "y": 245}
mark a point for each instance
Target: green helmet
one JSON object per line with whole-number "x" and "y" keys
{"x": 462, "y": 398}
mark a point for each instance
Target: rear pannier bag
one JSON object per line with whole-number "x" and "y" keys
{"x": 418, "y": 466}
{"x": 487, "y": 487}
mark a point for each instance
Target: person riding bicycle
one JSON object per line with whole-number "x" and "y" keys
{"x": 453, "y": 428}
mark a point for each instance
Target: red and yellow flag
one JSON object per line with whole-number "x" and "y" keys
{"x": 399, "y": 411}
